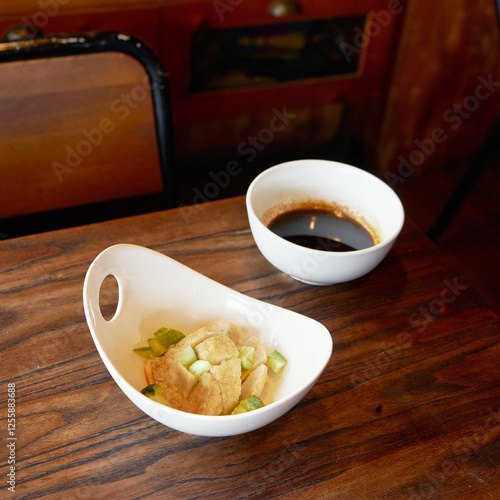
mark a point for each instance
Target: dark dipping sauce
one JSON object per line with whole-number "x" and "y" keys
{"x": 321, "y": 230}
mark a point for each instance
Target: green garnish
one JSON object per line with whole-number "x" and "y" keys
{"x": 248, "y": 404}
{"x": 159, "y": 344}
{"x": 187, "y": 356}
{"x": 199, "y": 367}
{"x": 145, "y": 352}
{"x": 276, "y": 361}
{"x": 157, "y": 347}
{"x": 168, "y": 336}
{"x": 154, "y": 392}
{"x": 247, "y": 356}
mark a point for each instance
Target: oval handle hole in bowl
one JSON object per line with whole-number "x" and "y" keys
{"x": 108, "y": 297}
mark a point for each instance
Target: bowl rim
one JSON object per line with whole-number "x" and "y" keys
{"x": 389, "y": 240}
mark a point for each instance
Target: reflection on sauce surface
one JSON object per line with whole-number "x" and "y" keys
{"x": 321, "y": 230}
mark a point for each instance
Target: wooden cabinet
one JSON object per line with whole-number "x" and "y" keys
{"x": 361, "y": 31}
{"x": 439, "y": 51}
{"x": 137, "y": 17}
{"x": 309, "y": 56}
{"x": 219, "y": 118}
{"x": 432, "y": 118}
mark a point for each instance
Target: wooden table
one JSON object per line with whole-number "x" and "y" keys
{"x": 408, "y": 407}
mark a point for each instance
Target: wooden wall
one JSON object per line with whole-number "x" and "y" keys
{"x": 444, "y": 93}
{"x": 35, "y": 8}
{"x": 447, "y": 49}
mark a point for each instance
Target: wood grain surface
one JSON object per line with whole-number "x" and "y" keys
{"x": 447, "y": 52}
{"x": 28, "y": 8}
{"x": 408, "y": 407}
{"x": 84, "y": 134}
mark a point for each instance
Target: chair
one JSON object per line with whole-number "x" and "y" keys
{"x": 85, "y": 132}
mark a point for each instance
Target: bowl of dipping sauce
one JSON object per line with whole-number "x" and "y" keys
{"x": 323, "y": 222}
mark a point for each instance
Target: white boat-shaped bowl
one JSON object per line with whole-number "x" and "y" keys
{"x": 154, "y": 291}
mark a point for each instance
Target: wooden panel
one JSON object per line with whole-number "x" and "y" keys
{"x": 52, "y": 8}
{"x": 135, "y": 17}
{"x": 180, "y": 20}
{"x": 218, "y": 122}
{"x": 232, "y": 137}
{"x": 75, "y": 130}
{"x": 444, "y": 94}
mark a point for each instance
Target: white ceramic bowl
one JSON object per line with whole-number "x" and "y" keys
{"x": 366, "y": 198}
{"x": 154, "y": 291}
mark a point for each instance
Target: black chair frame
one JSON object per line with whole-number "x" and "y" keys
{"x": 88, "y": 43}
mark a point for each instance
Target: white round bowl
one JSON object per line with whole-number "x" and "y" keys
{"x": 359, "y": 194}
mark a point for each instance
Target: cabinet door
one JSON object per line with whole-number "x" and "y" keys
{"x": 228, "y": 57}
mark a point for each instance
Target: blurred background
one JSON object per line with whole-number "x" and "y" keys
{"x": 407, "y": 89}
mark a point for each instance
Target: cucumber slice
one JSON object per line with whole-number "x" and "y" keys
{"x": 248, "y": 404}
{"x": 199, "y": 367}
{"x": 154, "y": 392}
{"x": 145, "y": 352}
{"x": 168, "y": 336}
{"x": 247, "y": 356}
{"x": 187, "y": 356}
{"x": 276, "y": 361}
{"x": 157, "y": 347}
